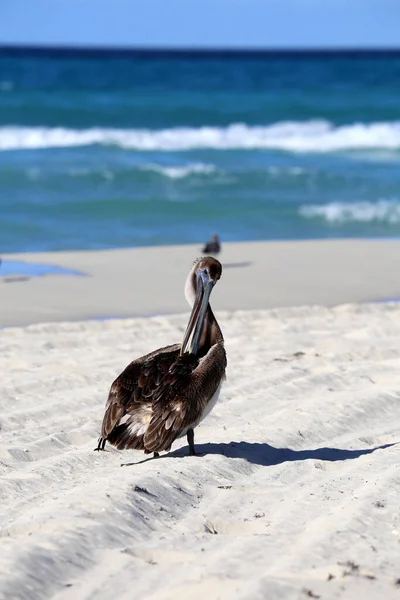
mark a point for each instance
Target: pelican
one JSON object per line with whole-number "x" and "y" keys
{"x": 164, "y": 395}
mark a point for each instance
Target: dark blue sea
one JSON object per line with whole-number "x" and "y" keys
{"x": 108, "y": 149}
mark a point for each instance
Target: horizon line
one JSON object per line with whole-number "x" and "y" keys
{"x": 20, "y": 48}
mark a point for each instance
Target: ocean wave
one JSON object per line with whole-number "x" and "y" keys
{"x": 179, "y": 172}
{"x": 308, "y": 136}
{"x": 383, "y": 211}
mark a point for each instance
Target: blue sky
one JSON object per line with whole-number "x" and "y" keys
{"x": 237, "y": 23}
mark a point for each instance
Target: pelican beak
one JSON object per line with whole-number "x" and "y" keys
{"x": 191, "y": 339}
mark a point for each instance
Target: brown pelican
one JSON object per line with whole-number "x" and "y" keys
{"x": 164, "y": 395}
{"x": 213, "y": 246}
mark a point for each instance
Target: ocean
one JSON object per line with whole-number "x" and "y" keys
{"x": 113, "y": 149}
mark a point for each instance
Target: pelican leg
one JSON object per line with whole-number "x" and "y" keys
{"x": 156, "y": 455}
{"x": 100, "y": 445}
{"x": 190, "y": 439}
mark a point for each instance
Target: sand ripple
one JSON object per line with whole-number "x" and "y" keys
{"x": 297, "y": 493}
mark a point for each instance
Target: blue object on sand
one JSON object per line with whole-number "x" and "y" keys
{"x": 20, "y": 268}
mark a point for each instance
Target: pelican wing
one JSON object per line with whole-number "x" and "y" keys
{"x": 159, "y": 396}
{"x": 149, "y": 388}
{"x": 126, "y": 393}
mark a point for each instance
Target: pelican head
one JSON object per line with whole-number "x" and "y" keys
{"x": 200, "y": 282}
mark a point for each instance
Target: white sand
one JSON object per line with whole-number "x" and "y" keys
{"x": 299, "y": 478}
{"x": 149, "y": 281}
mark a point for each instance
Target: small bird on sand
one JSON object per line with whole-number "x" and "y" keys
{"x": 164, "y": 395}
{"x": 213, "y": 246}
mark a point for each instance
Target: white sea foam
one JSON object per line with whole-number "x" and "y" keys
{"x": 384, "y": 211}
{"x": 179, "y": 172}
{"x": 308, "y": 136}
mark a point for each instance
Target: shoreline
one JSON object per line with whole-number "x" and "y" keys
{"x": 19, "y": 254}
{"x": 149, "y": 281}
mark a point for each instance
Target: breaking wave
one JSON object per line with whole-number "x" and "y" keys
{"x": 383, "y": 211}
{"x": 308, "y": 136}
{"x": 179, "y": 172}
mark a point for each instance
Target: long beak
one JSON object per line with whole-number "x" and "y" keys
{"x": 191, "y": 339}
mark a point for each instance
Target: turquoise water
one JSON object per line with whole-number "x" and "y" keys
{"x": 113, "y": 150}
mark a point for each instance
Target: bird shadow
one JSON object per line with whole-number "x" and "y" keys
{"x": 266, "y": 455}
{"x": 237, "y": 265}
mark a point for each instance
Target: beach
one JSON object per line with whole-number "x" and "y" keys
{"x": 295, "y": 491}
